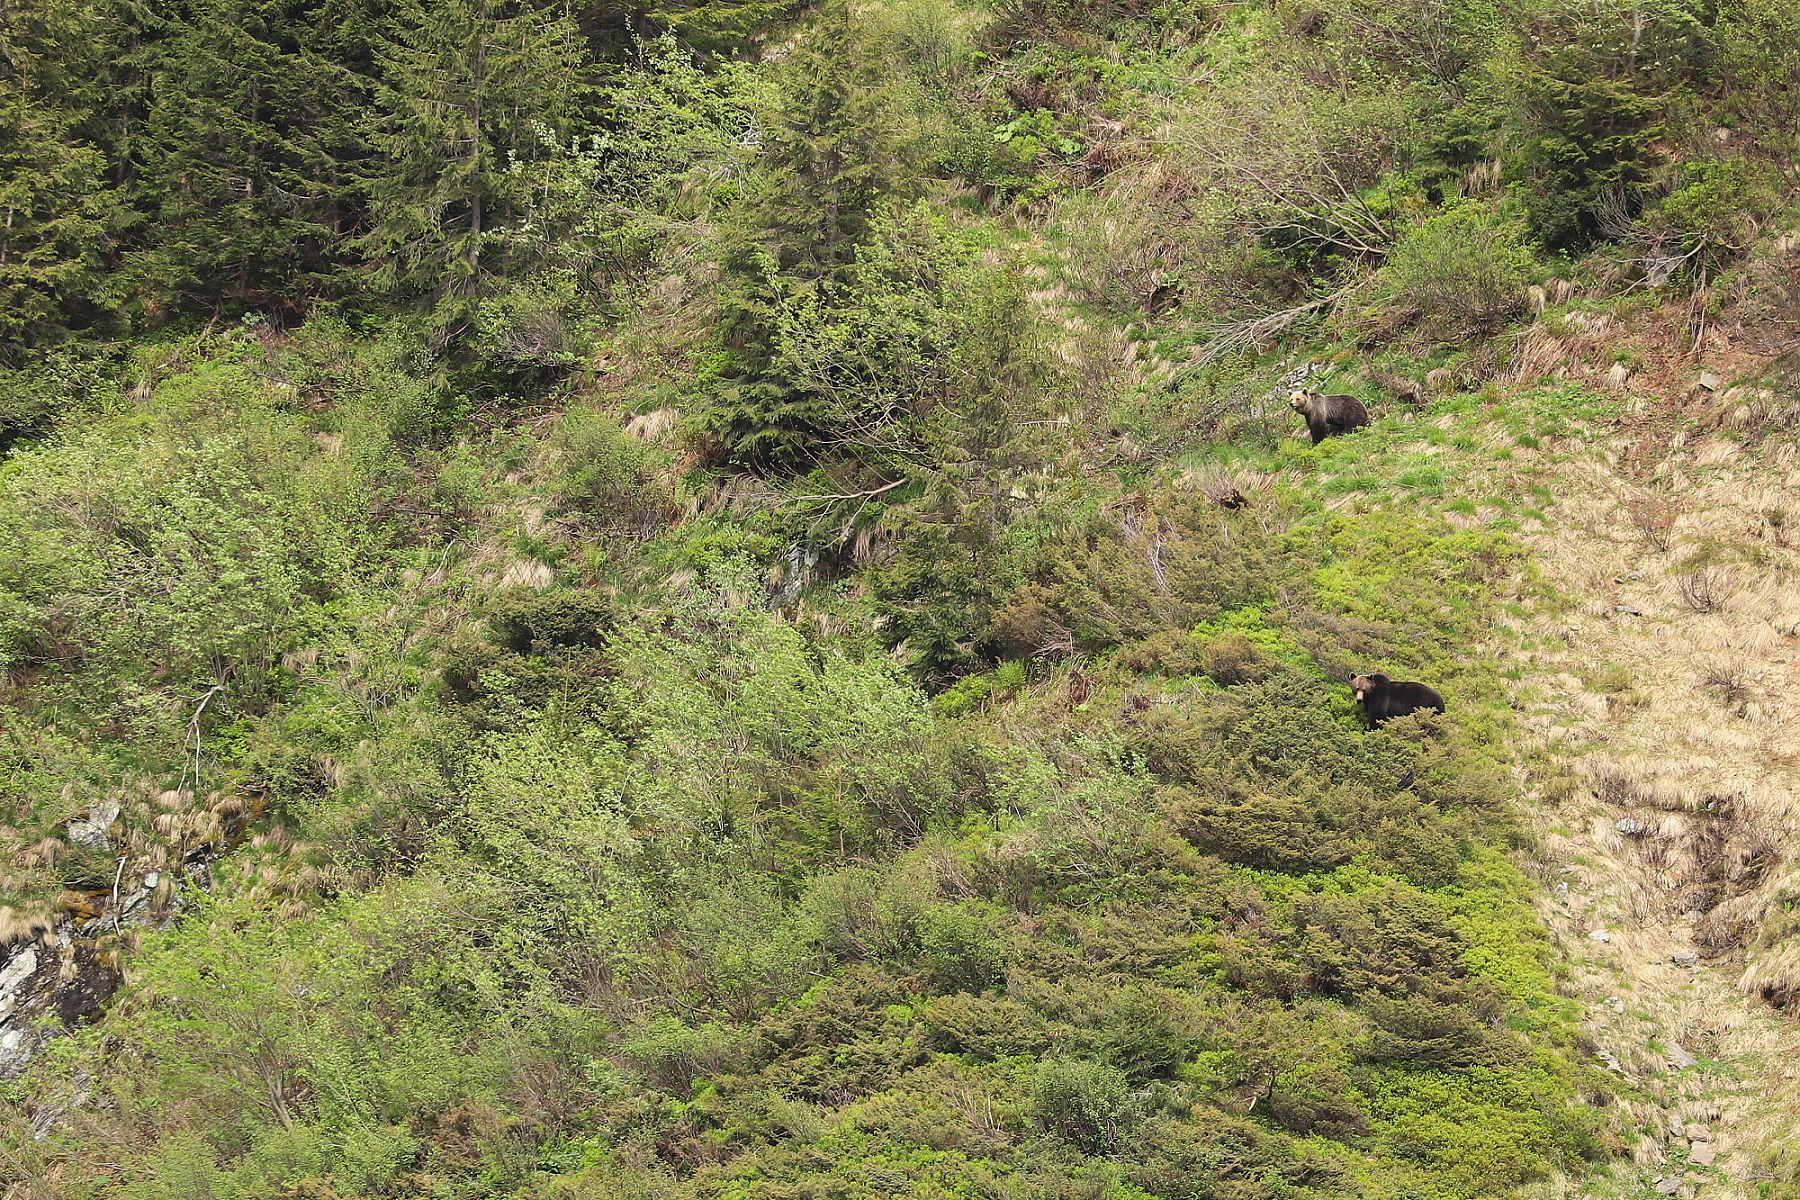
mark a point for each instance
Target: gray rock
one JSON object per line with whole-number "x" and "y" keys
{"x": 90, "y": 831}
{"x": 1680, "y": 1060}
{"x": 1675, "y": 1127}
{"x": 1666, "y": 1187}
{"x": 1600, "y": 935}
{"x": 1702, "y": 1154}
{"x": 18, "y": 1047}
{"x": 1685, "y": 958}
{"x": 12, "y": 980}
{"x": 1628, "y": 826}
{"x": 1711, "y": 381}
{"x": 1628, "y": 610}
{"x": 1699, "y": 1133}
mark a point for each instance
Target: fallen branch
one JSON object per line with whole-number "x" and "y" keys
{"x": 1233, "y": 337}
{"x": 886, "y": 487}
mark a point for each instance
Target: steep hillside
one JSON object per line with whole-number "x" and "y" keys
{"x": 727, "y": 600}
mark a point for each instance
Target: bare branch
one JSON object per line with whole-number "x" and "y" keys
{"x": 1249, "y": 333}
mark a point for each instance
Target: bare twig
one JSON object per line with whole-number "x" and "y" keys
{"x": 117, "y": 876}
{"x": 887, "y": 487}
{"x": 194, "y": 732}
{"x": 1699, "y": 589}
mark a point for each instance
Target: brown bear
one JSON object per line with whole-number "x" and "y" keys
{"x": 1383, "y": 699}
{"x": 1326, "y": 415}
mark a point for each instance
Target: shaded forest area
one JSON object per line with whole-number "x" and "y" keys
{"x": 721, "y": 601}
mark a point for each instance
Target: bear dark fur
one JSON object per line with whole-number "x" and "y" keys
{"x": 1326, "y": 415}
{"x": 1383, "y": 699}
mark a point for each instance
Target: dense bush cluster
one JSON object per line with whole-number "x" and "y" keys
{"x": 562, "y": 874}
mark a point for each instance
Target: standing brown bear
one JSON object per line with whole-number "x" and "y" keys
{"x": 1326, "y": 415}
{"x": 1383, "y": 699}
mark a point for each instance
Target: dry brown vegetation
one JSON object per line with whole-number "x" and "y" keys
{"x": 1668, "y": 694}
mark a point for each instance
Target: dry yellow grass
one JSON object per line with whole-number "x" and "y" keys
{"x": 1663, "y": 709}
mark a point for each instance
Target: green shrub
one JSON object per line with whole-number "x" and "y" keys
{"x": 1085, "y": 1103}
{"x": 1757, "y": 44}
{"x": 1165, "y": 652}
{"x": 959, "y": 948}
{"x": 1272, "y": 832}
{"x": 1233, "y": 658}
{"x": 986, "y": 1026}
{"x": 1715, "y": 210}
{"x": 1460, "y": 275}
{"x": 1395, "y": 941}
{"x": 606, "y": 476}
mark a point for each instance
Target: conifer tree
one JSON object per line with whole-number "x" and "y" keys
{"x": 54, "y": 215}
{"x": 469, "y": 87}
{"x": 835, "y": 148}
{"x": 55, "y": 209}
{"x": 243, "y": 147}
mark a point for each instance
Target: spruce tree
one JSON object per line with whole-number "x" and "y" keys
{"x": 55, "y": 208}
{"x": 835, "y": 148}
{"x": 54, "y": 214}
{"x": 242, "y": 148}
{"x": 468, "y": 89}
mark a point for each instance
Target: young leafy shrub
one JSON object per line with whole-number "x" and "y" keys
{"x": 1460, "y": 275}
{"x": 672, "y": 1055}
{"x": 605, "y": 476}
{"x": 1711, "y": 216}
{"x": 745, "y": 949}
{"x": 1432, "y": 40}
{"x": 1086, "y": 1103}
{"x": 962, "y": 952}
{"x": 1757, "y": 44}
